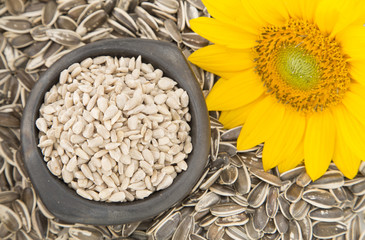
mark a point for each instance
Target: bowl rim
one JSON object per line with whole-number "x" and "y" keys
{"x": 62, "y": 201}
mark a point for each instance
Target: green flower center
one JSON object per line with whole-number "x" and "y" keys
{"x": 298, "y": 68}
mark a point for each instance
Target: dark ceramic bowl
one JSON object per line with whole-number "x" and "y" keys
{"x": 62, "y": 201}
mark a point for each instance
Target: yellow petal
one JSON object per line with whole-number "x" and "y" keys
{"x": 293, "y": 159}
{"x": 223, "y": 10}
{"x": 354, "y": 101}
{"x": 357, "y": 71}
{"x": 351, "y": 130}
{"x": 327, "y": 15}
{"x": 304, "y": 9}
{"x": 293, "y": 9}
{"x": 352, "y": 41}
{"x": 267, "y": 11}
{"x": 225, "y": 75}
{"x": 307, "y": 9}
{"x": 319, "y": 142}
{"x": 238, "y": 116}
{"x": 240, "y": 90}
{"x": 222, "y": 33}
{"x": 230, "y": 12}
{"x": 217, "y": 58}
{"x": 350, "y": 12}
{"x": 284, "y": 140}
{"x": 347, "y": 162}
{"x": 261, "y": 123}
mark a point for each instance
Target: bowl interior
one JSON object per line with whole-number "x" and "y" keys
{"x": 62, "y": 201}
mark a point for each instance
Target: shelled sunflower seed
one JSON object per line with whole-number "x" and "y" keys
{"x": 115, "y": 129}
{"x": 26, "y": 51}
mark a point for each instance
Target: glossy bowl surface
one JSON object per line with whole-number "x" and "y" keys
{"x": 62, "y": 201}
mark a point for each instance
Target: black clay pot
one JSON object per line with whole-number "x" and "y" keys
{"x": 62, "y": 201}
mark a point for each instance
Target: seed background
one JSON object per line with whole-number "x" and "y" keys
{"x": 233, "y": 200}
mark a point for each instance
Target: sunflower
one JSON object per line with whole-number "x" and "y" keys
{"x": 293, "y": 75}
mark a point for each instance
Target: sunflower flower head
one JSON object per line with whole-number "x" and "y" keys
{"x": 293, "y": 75}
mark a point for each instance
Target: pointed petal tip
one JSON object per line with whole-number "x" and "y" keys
{"x": 242, "y": 144}
{"x": 350, "y": 173}
{"x": 212, "y": 104}
{"x": 267, "y": 166}
{"x": 268, "y": 161}
{"x": 314, "y": 178}
{"x": 192, "y": 58}
{"x": 283, "y": 168}
{"x": 314, "y": 174}
{"x": 195, "y": 56}
{"x": 196, "y": 23}
{"x": 193, "y": 21}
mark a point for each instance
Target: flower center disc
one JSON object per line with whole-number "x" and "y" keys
{"x": 297, "y": 68}
{"x": 301, "y": 66}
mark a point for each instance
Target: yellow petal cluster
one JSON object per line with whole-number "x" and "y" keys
{"x": 293, "y": 75}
